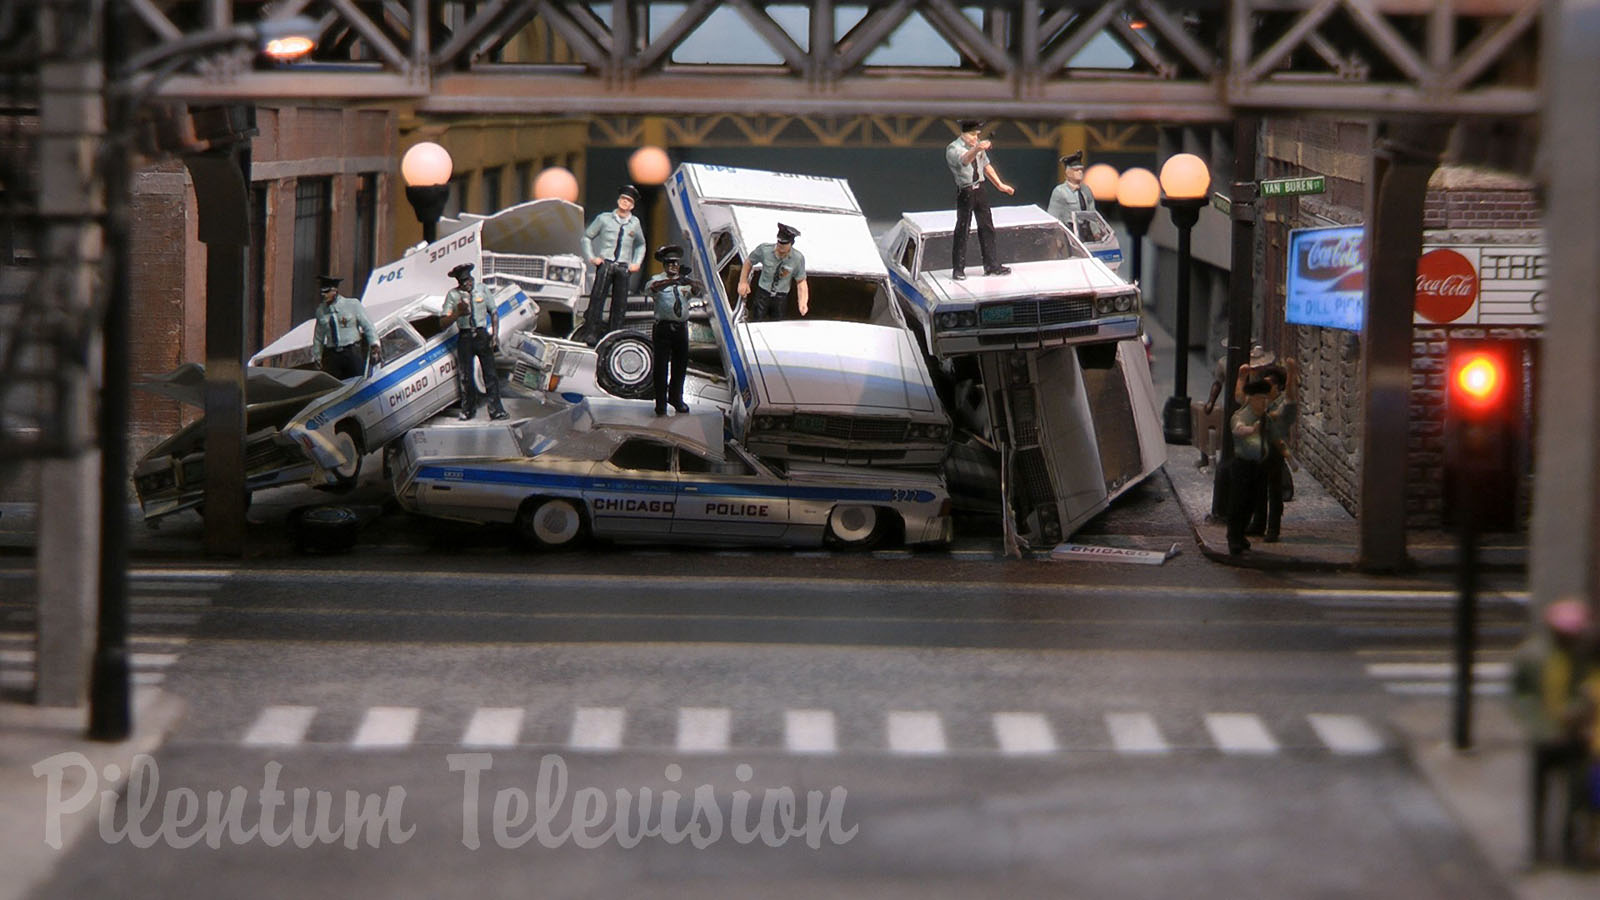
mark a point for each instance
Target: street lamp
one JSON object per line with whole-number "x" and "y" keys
{"x": 1137, "y": 193}
{"x": 426, "y": 169}
{"x": 1101, "y": 180}
{"x": 1185, "y": 181}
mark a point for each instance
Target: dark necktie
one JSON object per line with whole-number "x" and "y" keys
{"x": 677, "y": 303}
{"x": 616, "y": 253}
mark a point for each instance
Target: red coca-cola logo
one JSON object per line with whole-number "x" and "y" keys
{"x": 1447, "y": 286}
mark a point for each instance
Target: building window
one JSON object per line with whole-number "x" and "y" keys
{"x": 366, "y": 230}
{"x": 457, "y": 201}
{"x": 255, "y": 322}
{"x": 524, "y": 182}
{"x": 491, "y": 190}
{"x": 313, "y": 220}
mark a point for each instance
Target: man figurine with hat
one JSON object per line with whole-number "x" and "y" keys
{"x": 669, "y": 337}
{"x": 1070, "y": 196}
{"x": 782, "y": 267}
{"x": 614, "y": 244}
{"x": 1245, "y": 482}
{"x": 968, "y": 159}
{"x": 342, "y": 325}
{"x": 472, "y": 308}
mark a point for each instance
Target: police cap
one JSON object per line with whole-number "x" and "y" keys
{"x": 969, "y": 124}
{"x": 462, "y": 271}
{"x": 669, "y": 253}
{"x": 787, "y": 234}
{"x": 629, "y": 191}
{"x": 1073, "y": 160}
{"x": 325, "y": 282}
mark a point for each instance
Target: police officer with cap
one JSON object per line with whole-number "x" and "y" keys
{"x": 614, "y": 244}
{"x": 1070, "y": 195}
{"x": 968, "y": 159}
{"x": 782, "y": 267}
{"x": 472, "y": 307}
{"x": 669, "y": 337}
{"x": 342, "y": 325}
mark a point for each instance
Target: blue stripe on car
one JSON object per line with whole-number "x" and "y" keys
{"x": 905, "y": 288}
{"x": 729, "y": 345}
{"x": 470, "y": 475}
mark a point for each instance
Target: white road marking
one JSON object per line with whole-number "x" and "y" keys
{"x": 703, "y": 729}
{"x": 809, "y": 731}
{"x": 1024, "y": 734}
{"x": 16, "y": 679}
{"x": 151, "y": 678}
{"x": 1444, "y": 688}
{"x": 1240, "y": 733}
{"x": 140, "y": 600}
{"x": 386, "y": 726}
{"x": 493, "y": 727}
{"x": 16, "y": 657}
{"x": 1136, "y": 733}
{"x": 138, "y": 619}
{"x": 139, "y": 586}
{"x": 596, "y": 728}
{"x": 280, "y": 726}
{"x": 1345, "y": 735}
{"x": 916, "y": 733}
{"x": 1487, "y": 670}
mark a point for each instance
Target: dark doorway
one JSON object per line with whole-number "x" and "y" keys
{"x": 312, "y": 229}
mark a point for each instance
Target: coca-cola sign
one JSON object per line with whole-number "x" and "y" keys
{"x": 1447, "y": 286}
{"x": 1327, "y": 277}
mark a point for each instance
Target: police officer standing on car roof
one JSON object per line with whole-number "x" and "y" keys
{"x": 342, "y": 325}
{"x": 782, "y": 267}
{"x": 1070, "y": 195}
{"x": 968, "y": 159}
{"x": 614, "y": 244}
{"x": 472, "y": 308}
{"x": 669, "y": 337}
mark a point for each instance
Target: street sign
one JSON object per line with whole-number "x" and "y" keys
{"x": 1221, "y": 203}
{"x": 1290, "y": 187}
{"x": 1113, "y": 554}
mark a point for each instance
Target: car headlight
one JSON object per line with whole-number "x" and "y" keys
{"x": 968, "y": 319}
{"x": 564, "y": 273}
{"x": 1104, "y": 305}
{"x": 945, "y": 320}
{"x": 1124, "y": 302}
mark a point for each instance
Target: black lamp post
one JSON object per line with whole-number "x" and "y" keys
{"x": 426, "y": 169}
{"x": 1137, "y": 194}
{"x": 1184, "y": 180}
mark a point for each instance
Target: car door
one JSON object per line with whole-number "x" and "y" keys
{"x": 632, "y": 493}
{"x": 728, "y": 500}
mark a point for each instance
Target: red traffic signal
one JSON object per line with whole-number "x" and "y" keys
{"x": 1477, "y": 384}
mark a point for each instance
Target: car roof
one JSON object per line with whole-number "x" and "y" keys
{"x": 700, "y": 431}
{"x": 758, "y": 187}
{"x": 944, "y": 220}
{"x": 832, "y": 243}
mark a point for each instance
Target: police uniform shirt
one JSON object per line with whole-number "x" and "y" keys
{"x": 1066, "y": 200}
{"x": 340, "y": 324}
{"x": 1250, "y": 446}
{"x": 672, "y": 303}
{"x": 613, "y": 238}
{"x": 479, "y": 306}
{"x": 778, "y": 273}
{"x": 966, "y": 174}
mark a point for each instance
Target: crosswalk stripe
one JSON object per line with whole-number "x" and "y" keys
{"x": 1023, "y": 734}
{"x": 150, "y": 678}
{"x": 703, "y": 729}
{"x": 280, "y": 726}
{"x": 16, "y": 657}
{"x": 1488, "y": 670}
{"x": 493, "y": 726}
{"x": 386, "y": 726}
{"x": 596, "y": 728}
{"x": 1345, "y": 735}
{"x": 1136, "y": 733}
{"x": 916, "y": 733}
{"x": 142, "y": 619}
{"x": 1240, "y": 733}
{"x": 809, "y": 731}
{"x": 139, "y": 600}
{"x": 139, "y": 586}
{"x": 1442, "y": 688}
{"x": 16, "y": 679}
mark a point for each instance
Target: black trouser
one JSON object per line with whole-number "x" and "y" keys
{"x": 971, "y": 201}
{"x": 1268, "y": 513}
{"x": 1562, "y": 761}
{"x": 670, "y": 341}
{"x": 609, "y": 277}
{"x": 346, "y": 362}
{"x": 1245, "y": 486}
{"x": 762, "y": 306}
{"x": 477, "y": 345}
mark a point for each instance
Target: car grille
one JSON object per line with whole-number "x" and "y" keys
{"x": 269, "y": 455}
{"x": 1033, "y": 479}
{"x": 525, "y": 375}
{"x": 512, "y": 264}
{"x": 847, "y": 428}
{"x": 1055, "y": 333}
{"x": 1065, "y": 309}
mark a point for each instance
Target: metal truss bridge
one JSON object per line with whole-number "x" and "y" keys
{"x": 1176, "y": 60}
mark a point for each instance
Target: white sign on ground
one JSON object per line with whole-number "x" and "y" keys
{"x": 1113, "y": 554}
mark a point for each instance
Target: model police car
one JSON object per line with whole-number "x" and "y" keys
{"x": 610, "y": 468}
{"x": 1057, "y": 292}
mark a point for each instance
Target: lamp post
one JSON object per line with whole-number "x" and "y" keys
{"x": 426, "y": 169}
{"x": 1184, "y": 180}
{"x": 1137, "y": 193}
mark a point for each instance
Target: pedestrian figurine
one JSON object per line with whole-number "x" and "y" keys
{"x": 1249, "y": 455}
{"x": 1278, "y": 486}
{"x": 342, "y": 326}
{"x": 1070, "y": 196}
{"x": 1206, "y": 420}
{"x": 670, "y": 293}
{"x": 968, "y": 159}
{"x": 782, "y": 268}
{"x": 1557, "y": 685}
{"x": 614, "y": 244}
{"x": 471, "y": 307}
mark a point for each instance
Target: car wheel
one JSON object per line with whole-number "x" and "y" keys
{"x": 623, "y": 365}
{"x": 854, "y": 527}
{"x": 552, "y": 524}
{"x": 324, "y": 529}
{"x": 347, "y": 440}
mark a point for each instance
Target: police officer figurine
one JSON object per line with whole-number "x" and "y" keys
{"x": 614, "y": 244}
{"x": 472, "y": 307}
{"x": 670, "y": 293}
{"x": 782, "y": 266}
{"x": 342, "y": 325}
{"x": 1070, "y": 195}
{"x": 968, "y": 159}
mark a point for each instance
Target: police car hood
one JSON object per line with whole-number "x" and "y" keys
{"x": 499, "y": 440}
{"x": 187, "y": 385}
{"x": 845, "y": 366}
{"x": 1027, "y": 281}
{"x": 537, "y": 228}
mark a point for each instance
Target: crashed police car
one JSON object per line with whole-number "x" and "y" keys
{"x": 612, "y": 469}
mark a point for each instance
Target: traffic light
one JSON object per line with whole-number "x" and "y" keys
{"x": 1481, "y": 405}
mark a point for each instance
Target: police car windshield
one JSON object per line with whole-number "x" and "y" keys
{"x": 1021, "y": 244}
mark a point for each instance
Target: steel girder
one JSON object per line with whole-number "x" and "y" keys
{"x": 1191, "y": 60}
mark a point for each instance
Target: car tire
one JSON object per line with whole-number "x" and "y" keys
{"x": 555, "y": 523}
{"x": 855, "y": 527}
{"x": 624, "y": 364}
{"x": 347, "y": 437}
{"x": 324, "y": 529}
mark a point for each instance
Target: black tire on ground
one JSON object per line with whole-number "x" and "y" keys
{"x": 554, "y": 523}
{"x": 854, "y": 527}
{"x": 347, "y": 435}
{"x": 623, "y": 365}
{"x": 324, "y": 529}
